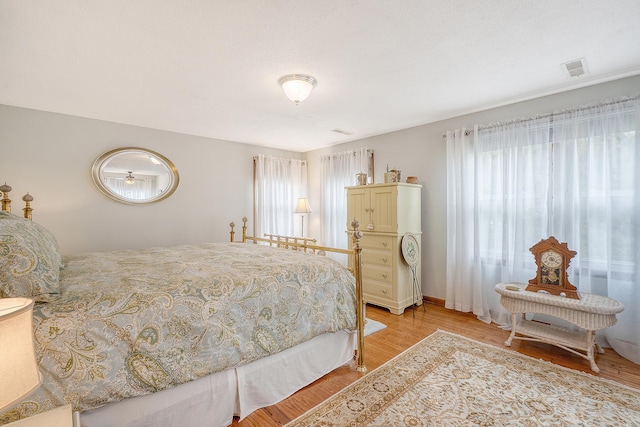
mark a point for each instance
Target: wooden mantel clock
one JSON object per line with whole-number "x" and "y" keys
{"x": 552, "y": 258}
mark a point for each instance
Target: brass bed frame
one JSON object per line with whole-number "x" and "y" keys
{"x": 308, "y": 245}
{"x": 6, "y": 201}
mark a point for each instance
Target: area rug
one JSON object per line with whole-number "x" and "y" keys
{"x": 371, "y": 326}
{"x": 449, "y": 380}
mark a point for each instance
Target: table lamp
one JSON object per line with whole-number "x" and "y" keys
{"x": 19, "y": 374}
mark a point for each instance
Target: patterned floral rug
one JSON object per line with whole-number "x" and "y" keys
{"x": 449, "y": 380}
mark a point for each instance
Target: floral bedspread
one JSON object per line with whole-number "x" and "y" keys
{"x": 133, "y": 322}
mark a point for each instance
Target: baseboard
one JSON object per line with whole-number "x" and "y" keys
{"x": 432, "y": 300}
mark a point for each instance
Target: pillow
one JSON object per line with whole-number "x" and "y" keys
{"x": 30, "y": 259}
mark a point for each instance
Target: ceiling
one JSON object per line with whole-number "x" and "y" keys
{"x": 210, "y": 67}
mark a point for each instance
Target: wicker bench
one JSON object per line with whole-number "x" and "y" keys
{"x": 590, "y": 313}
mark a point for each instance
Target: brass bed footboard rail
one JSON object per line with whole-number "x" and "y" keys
{"x": 299, "y": 243}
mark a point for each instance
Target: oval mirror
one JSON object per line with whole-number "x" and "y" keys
{"x": 135, "y": 175}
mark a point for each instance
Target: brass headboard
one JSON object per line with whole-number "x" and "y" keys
{"x": 6, "y": 201}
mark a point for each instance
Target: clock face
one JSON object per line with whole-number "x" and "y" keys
{"x": 551, "y": 259}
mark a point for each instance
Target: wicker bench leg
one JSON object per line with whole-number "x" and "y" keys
{"x": 591, "y": 345}
{"x": 513, "y": 330}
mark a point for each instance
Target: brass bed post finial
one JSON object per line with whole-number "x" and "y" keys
{"x": 360, "y": 304}
{"x": 244, "y": 229}
{"x": 27, "y": 198}
{"x": 233, "y": 233}
{"x": 6, "y": 201}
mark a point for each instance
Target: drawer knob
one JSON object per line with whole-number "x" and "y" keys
{"x": 384, "y": 244}
{"x": 384, "y": 275}
{"x": 384, "y": 259}
{"x": 384, "y": 291}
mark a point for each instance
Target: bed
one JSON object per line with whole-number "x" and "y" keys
{"x": 177, "y": 335}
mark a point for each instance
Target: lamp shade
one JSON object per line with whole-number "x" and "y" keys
{"x": 297, "y": 87}
{"x": 19, "y": 374}
{"x": 303, "y": 206}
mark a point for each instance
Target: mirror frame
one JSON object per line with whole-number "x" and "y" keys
{"x": 103, "y": 159}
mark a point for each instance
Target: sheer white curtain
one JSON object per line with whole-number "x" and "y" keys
{"x": 596, "y": 207}
{"x": 572, "y": 174}
{"x": 495, "y": 211}
{"x": 278, "y": 185}
{"x": 464, "y": 290}
{"x": 337, "y": 172}
{"x": 142, "y": 188}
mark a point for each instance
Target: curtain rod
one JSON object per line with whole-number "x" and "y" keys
{"x": 352, "y": 152}
{"x": 559, "y": 112}
{"x": 255, "y": 158}
{"x": 602, "y": 103}
{"x": 466, "y": 133}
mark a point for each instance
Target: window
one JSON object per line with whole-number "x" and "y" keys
{"x": 277, "y": 186}
{"x": 574, "y": 175}
{"x": 339, "y": 171}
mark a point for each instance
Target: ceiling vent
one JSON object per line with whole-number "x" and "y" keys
{"x": 575, "y": 68}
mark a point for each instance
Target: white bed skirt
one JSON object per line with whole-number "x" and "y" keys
{"x": 215, "y": 399}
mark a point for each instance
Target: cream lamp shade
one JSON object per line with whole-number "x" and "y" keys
{"x": 297, "y": 87}
{"x": 303, "y": 206}
{"x": 19, "y": 374}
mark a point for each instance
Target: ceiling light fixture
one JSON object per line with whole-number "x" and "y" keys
{"x": 130, "y": 179}
{"x": 297, "y": 87}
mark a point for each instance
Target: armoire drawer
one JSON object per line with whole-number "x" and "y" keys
{"x": 377, "y": 242}
{"x": 378, "y": 289}
{"x": 382, "y": 258}
{"x": 379, "y": 273}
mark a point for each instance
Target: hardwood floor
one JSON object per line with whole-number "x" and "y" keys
{"x": 404, "y": 331}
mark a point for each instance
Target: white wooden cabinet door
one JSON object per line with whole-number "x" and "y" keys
{"x": 358, "y": 207}
{"x": 383, "y": 204}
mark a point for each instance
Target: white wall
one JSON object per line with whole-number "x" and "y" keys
{"x": 421, "y": 152}
{"x": 50, "y": 156}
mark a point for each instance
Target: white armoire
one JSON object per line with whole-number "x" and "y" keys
{"x": 387, "y": 212}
